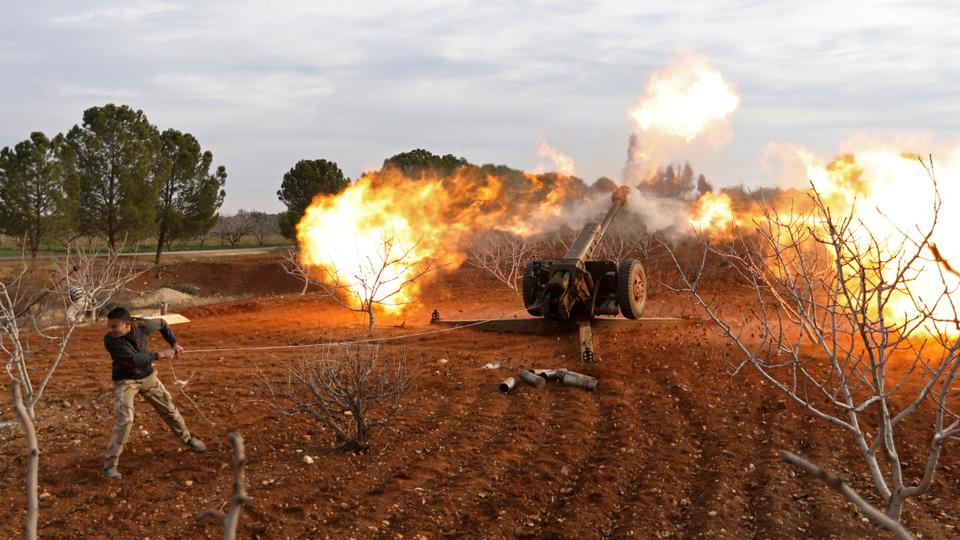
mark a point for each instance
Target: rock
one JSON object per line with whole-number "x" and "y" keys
{"x": 45, "y": 495}
{"x": 443, "y": 360}
{"x": 308, "y": 460}
{"x": 188, "y": 483}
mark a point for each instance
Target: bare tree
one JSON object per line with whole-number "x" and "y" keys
{"x": 33, "y": 459}
{"x": 232, "y": 229}
{"x": 559, "y": 241}
{"x": 204, "y": 236}
{"x": 341, "y": 386}
{"x": 377, "y": 279}
{"x": 617, "y": 244}
{"x": 263, "y": 225}
{"x": 823, "y": 278}
{"x": 27, "y": 309}
{"x": 293, "y": 264}
{"x": 644, "y": 245}
{"x": 502, "y": 254}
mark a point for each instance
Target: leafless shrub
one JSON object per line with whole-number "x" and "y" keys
{"x": 823, "y": 279}
{"x": 644, "y": 245}
{"x": 501, "y": 254}
{"x": 556, "y": 243}
{"x": 348, "y": 388}
{"x": 618, "y": 244}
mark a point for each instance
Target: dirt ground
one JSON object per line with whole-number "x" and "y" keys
{"x": 668, "y": 446}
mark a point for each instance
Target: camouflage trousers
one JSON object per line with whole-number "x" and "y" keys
{"x": 157, "y": 395}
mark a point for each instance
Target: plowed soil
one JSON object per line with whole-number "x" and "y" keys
{"x": 669, "y": 445}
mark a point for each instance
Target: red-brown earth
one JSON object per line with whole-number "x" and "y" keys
{"x": 669, "y": 445}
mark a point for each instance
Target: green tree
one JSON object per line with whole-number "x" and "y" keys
{"x": 115, "y": 152}
{"x": 420, "y": 161}
{"x": 189, "y": 195}
{"x": 301, "y": 184}
{"x": 33, "y": 179}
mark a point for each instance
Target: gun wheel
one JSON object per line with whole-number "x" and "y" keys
{"x": 631, "y": 289}
{"x": 531, "y": 288}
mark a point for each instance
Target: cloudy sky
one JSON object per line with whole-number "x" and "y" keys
{"x": 264, "y": 84}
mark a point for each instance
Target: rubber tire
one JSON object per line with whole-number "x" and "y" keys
{"x": 631, "y": 289}
{"x": 529, "y": 287}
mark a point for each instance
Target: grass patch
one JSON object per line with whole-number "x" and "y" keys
{"x": 9, "y": 248}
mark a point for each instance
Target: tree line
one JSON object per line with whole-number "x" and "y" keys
{"x": 114, "y": 176}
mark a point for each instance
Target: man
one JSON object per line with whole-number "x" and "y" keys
{"x": 133, "y": 373}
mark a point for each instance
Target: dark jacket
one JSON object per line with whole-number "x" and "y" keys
{"x": 131, "y": 354}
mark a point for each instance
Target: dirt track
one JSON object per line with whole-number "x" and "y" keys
{"x": 669, "y": 445}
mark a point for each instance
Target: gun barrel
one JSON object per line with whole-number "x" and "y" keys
{"x": 618, "y": 199}
{"x": 591, "y": 233}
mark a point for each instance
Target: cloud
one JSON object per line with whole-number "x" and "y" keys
{"x": 357, "y": 82}
{"x": 126, "y": 12}
{"x": 71, "y": 90}
{"x": 258, "y": 89}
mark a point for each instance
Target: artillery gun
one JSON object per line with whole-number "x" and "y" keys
{"x": 571, "y": 292}
{"x": 577, "y": 289}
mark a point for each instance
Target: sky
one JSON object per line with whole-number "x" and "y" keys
{"x": 265, "y": 84}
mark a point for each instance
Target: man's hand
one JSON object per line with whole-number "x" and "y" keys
{"x": 169, "y": 353}
{"x": 177, "y": 349}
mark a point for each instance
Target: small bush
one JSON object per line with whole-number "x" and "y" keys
{"x": 348, "y": 388}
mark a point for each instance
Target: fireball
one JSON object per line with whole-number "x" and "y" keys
{"x": 374, "y": 240}
{"x": 713, "y": 214}
{"x": 892, "y": 198}
{"x": 685, "y": 99}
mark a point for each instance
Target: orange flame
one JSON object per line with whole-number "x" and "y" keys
{"x": 889, "y": 195}
{"x": 428, "y": 219}
{"x": 713, "y": 213}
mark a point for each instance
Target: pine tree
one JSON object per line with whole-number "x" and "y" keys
{"x": 33, "y": 180}
{"x": 301, "y": 184}
{"x": 115, "y": 150}
{"x": 189, "y": 195}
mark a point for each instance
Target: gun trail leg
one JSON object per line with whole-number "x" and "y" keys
{"x": 587, "y": 350}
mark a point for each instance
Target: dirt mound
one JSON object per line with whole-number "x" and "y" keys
{"x": 163, "y": 295}
{"x": 233, "y": 276}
